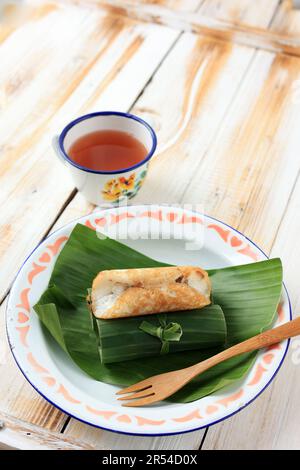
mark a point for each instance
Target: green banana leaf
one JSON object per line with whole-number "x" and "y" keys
{"x": 248, "y": 295}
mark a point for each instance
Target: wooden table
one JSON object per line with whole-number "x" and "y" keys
{"x": 220, "y": 83}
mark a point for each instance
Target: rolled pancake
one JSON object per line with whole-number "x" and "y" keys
{"x": 132, "y": 292}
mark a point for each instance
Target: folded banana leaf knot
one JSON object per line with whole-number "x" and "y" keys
{"x": 165, "y": 332}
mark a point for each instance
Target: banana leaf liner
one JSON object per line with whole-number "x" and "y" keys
{"x": 248, "y": 296}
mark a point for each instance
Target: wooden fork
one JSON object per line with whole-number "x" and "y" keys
{"x": 161, "y": 386}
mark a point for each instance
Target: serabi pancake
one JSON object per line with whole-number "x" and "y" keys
{"x": 131, "y": 292}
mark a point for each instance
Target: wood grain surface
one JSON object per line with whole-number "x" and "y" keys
{"x": 220, "y": 83}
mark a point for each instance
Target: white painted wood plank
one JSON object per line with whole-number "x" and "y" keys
{"x": 110, "y": 60}
{"x": 257, "y": 36}
{"x": 33, "y": 186}
{"x": 187, "y": 119}
{"x": 257, "y": 13}
{"x": 287, "y": 20}
{"x": 252, "y": 164}
{"x": 15, "y": 434}
{"x": 109, "y": 440}
{"x": 272, "y": 421}
{"x": 178, "y": 5}
{"x": 17, "y": 398}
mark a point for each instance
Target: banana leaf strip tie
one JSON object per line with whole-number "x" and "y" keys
{"x": 166, "y": 332}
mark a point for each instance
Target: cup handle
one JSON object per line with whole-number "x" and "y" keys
{"x": 56, "y": 147}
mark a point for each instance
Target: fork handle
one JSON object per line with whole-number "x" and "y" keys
{"x": 267, "y": 338}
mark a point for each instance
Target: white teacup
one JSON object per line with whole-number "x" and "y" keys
{"x": 101, "y": 187}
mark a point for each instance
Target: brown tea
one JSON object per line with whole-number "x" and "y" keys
{"x": 107, "y": 150}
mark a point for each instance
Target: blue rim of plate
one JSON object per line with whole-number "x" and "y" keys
{"x": 66, "y": 129}
{"x": 198, "y": 428}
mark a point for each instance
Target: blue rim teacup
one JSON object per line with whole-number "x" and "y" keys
{"x": 102, "y": 187}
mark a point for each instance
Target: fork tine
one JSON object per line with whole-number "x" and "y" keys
{"x": 142, "y": 394}
{"x": 143, "y": 401}
{"x": 138, "y": 387}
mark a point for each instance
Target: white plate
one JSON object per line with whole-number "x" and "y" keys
{"x": 62, "y": 383}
